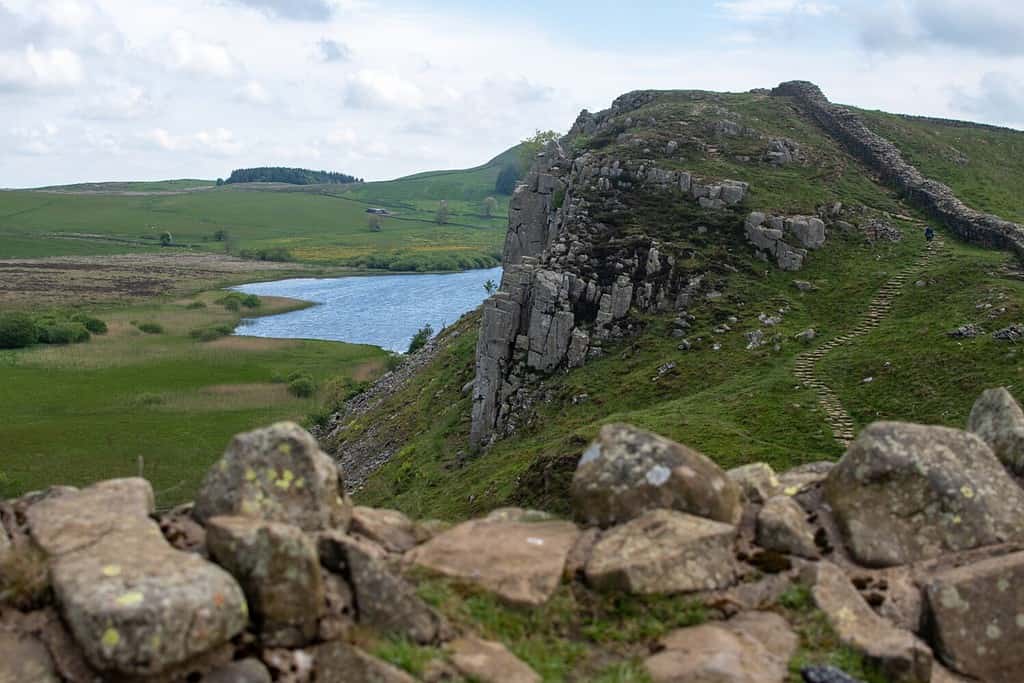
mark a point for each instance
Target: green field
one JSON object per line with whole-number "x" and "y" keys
{"x": 321, "y": 224}
{"x": 80, "y": 413}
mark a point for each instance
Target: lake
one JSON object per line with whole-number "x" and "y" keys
{"x": 383, "y": 310}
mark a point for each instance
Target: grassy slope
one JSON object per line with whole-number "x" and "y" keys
{"x": 983, "y": 165}
{"x": 736, "y": 405}
{"x": 319, "y": 224}
{"x": 80, "y": 413}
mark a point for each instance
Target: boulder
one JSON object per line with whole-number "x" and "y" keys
{"x": 25, "y": 660}
{"x": 628, "y": 471}
{"x": 904, "y": 493}
{"x": 390, "y": 529}
{"x": 383, "y": 599}
{"x": 664, "y": 551}
{"x": 782, "y": 526}
{"x": 977, "y": 617}
{"x": 279, "y": 570}
{"x": 241, "y": 671}
{"x": 489, "y": 662}
{"x": 901, "y": 656}
{"x": 757, "y": 482}
{"x": 278, "y": 474}
{"x": 339, "y": 661}
{"x": 521, "y": 562}
{"x": 998, "y": 419}
{"x": 754, "y": 647}
{"x": 142, "y": 612}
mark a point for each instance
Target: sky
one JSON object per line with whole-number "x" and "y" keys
{"x": 98, "y": 90}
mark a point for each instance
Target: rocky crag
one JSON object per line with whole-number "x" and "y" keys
{"x": 911, "y": 548}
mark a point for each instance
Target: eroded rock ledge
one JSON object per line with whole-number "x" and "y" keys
{"x": 933, "y": 197}
{"x": 911, "y": 547}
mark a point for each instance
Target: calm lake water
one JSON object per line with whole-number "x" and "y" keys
{"x": 383, "y": 310}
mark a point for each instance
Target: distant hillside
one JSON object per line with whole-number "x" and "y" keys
{"x": 292, "y": 176}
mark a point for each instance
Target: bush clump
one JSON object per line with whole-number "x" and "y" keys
{"x": 420, "y": 339}
{"x": 63, "y": 333}
{"x": 195, "y": 304}
{"x": 211, "y": 332}
{"x": 17, "y": 330}
{"x": 151, "y": 328}
{"x": 235, "y": 301}
{"x": 301, "y": 386}
{"x": 94, "y": 325}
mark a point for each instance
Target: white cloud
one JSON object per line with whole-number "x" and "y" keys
{"x": 190, "y": 54}
{"x": 373, "y": 89}
{"x": 980, "y": 26}
{"x": 333, "y": 50}
{"x": 117, "y": 101}
{"x": 298, "y": 10}
{"x": 253, "y": 92}
{"x": 997, "y": 97}
{"x": 217, "y": 142}
{"x": 755, "y": 10}
{"x": 34, "y": 141}
{"x": 40, "y": 69}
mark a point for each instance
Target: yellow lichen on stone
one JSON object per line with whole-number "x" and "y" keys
{"x": 285, "y": 480}
{"x": 300, "y": 482}
{"x": 967, "y": 491}
{"x": 285, "y": 448}
{"x": 130, "y": 599}
{"x": 110, "y": 638}
{"x": 250, "y": 474}
{"x": 112, "y": 570}
{"x": 792, "y": 490}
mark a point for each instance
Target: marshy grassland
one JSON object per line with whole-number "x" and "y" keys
{"x": 160, "y": 402}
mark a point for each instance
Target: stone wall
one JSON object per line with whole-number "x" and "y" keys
{"x": 929, "y": 195}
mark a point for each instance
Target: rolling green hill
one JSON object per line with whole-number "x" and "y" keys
{"x": 320, "y": 224}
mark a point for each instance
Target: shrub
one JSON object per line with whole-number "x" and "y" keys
{"x": 420, "y": 339}
{"x": 17, "y": 331}
{"x": 94, "y": 325}
{"x": 147, "y": 399}
{"x": 211, "y": 332}
{"x": 63, "y": 333}
{"x": 196, "y": 304}
{"x": 151, "y": 328}
{"x": 302, "y": 386}
{"x": 234, "y": 301}
{"x": 232, "y": 305}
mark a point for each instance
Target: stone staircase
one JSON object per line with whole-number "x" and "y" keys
{"x": 806, "y": 363}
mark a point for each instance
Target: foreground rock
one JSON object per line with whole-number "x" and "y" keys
{"x": 998, "y": 419}
{"x": 279, "y": 570}
{"x": 522, "y": 562}
{"x": 904, "y": 493}
{"x": 390, "y": 529}
{"x": 278, "y": 474}
{"x": 25, "y": 659}
{"x": 757, "y": 482}
{"x": 664, "y": 551}
{"x": 489, "y": 662}
{"x": 628, "y": 471}
{"x": 902, "y": 657}
{"x": 754, "y": 647}
{"x": 338, "y": 661}
{"x": 977, "y": 613}
{"x": 134, "y": 604}
{"x": 782, "y": 526}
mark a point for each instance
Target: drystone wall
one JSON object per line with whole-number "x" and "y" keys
{"x": 880, "y": 154}
{"x": 911, "y": 547}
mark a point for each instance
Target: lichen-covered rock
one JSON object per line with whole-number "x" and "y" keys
{"x": 489, "y": 662}
{"x": 757, "y": 481}
{"x": 390, "y": 529}
{"x": 782, "y": 526}
{"x": 241, "y": 671}
{"x": 664, "y": 551}
{"x": 383, "y": 600}
{"x": 977, "y": 613}
{"x": 278, "y": 474}
{"x": 279, "y": 570}
{"x": 25, "y": 660}
{"x": 754, "y": 647}
{"x": 902, "y": 657}
{"x": 134, "y": 604}
{"x": 998, "y": 419}
{"x": 628, "y": 471}
{"x": 339, "y": 661}
{"x": 521, "y": 562}
{"x": 907, "y": 492}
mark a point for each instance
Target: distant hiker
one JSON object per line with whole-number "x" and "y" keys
{"x": 929, "y": 233}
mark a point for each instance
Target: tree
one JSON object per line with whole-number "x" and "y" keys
{"x": 489, "y": 287}
{"x": 490, "y": 206}
{"x": 166, "y": 239}
{"x": 221, "y": 236}
{"x": 220, "y": 181}
{"x": 420, "y": 339}
{"x": 532, "y": 146}
{"x": 373, "y": 220}
{"x": 507, "y": 179}
{"x": 442, "y": 212}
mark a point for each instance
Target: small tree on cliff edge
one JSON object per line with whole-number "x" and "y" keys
{"x": 532, "y": 146}
{"x": 420, "y": 339}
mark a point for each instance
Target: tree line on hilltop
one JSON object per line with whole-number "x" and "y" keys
{"x": 293, "y": 176}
